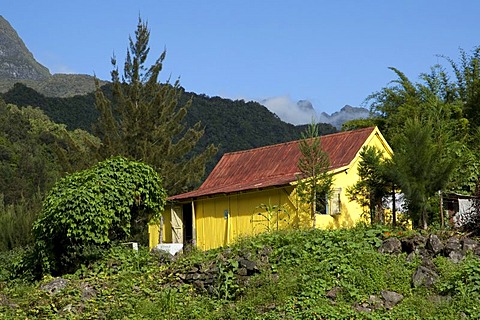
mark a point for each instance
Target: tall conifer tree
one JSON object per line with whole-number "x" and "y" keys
{"x": 315, "y": 182}
{"x": 144, "y": 121}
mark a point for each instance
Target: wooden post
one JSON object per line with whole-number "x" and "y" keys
{"x": 194, "y": 230}
{"x": 394, "y": 209}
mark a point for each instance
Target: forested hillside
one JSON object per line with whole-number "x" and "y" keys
{"x": 232, "y": 125}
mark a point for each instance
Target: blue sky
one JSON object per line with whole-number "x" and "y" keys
{"x": 331, "y": 53}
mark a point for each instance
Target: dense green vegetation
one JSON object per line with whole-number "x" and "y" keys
{"x": 433, "y": 128}
{"x": 85, "y": 209}
{"x": 76, "y": 112}
{"x": 231, "y": 125}
{"x": 34, "y": 153}
{"x": 295, "y": 272}
{"x": 114, "y": 200}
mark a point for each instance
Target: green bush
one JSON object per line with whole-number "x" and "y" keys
{"x": 85, "y": 211}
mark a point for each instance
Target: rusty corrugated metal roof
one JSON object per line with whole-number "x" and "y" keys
{"x": 274, "y": 165}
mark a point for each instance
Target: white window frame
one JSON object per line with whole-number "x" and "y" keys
{"x": 335, "y": 203}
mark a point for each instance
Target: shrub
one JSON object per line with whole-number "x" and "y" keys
{"x": 85, "y": 211}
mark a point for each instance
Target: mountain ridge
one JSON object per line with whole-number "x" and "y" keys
{"x": 18, "y": 65}
{"x": 347, "y": 113}
{"x": 16, "y": 61}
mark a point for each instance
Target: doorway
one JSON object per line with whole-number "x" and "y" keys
{"x": 188, "y": 223}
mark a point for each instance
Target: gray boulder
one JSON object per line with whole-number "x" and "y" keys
{"x": 391, "y": 298}
{"x": 469, "y": 244}
{"x": 391, "y": 245}
{"x": 453, "y": 244}
{"x": 424, "y": 276}
{"x": 55, "y": 286}
{"x": 434, "y": 244}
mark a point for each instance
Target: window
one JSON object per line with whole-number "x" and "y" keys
{"x": 321, "y": 206}
{"x": 335, "y": 203}
{"x": 326, "y": 205}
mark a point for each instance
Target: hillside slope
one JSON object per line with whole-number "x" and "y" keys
{"x": 298, "y": 274}
{"x": 231, "y": 125}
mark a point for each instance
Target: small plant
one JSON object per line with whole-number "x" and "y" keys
{"x": 272, "y": 217}
{"x": 226, "y": 287}
{"x": 464, "y": 280}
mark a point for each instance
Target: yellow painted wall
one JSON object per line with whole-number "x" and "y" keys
{"x": 221, "y": 220}
{"x": 247, "y": 214}
{"x": 154, "y": 230}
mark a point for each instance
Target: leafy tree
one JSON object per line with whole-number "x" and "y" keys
{"x": 143, "y": 120}
{"x": 315, "y": 181}
{"x": 405, "y": 99}
{"x": 91, "y": 208}
{"x": 467, "y": 85}
{"x": 373, "y": 184}
{"x": 442, "y": 101}
{"x": 422, "y": 165}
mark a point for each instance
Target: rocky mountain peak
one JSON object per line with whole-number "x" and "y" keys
{"x": 345, "y": 114}
{"x": 16, "y": 61}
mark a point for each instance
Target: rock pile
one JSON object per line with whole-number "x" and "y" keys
{"x": 227, "y": 272}
{"x": 426, "y": 248}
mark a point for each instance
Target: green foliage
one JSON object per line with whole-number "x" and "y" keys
{"x": 16, "y": 221}
{"x": 226, "y": 288}
{"x": 315, "y": 182}
{"x": 34, "y": 153}
{"x": 373, "y": 184}
{"x": 467, "y": 85}
{"x": 422, "y": 166}
{"x": 76, "y": 112}
{"x": 460, "y": 279}
{"x": 88, "y": 209}
{"x": 144, "y": 120}
{"x": 271, "y": 217}
{"x": 448, "y": 102}
{"x": 359, "y": 123}
{"x": 302, "y": 266}
{"x": 426, "y": 125}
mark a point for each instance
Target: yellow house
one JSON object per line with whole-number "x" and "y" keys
{"x": 253, "y": 191}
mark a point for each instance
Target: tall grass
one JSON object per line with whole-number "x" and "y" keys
{"x": 16, "y": 222}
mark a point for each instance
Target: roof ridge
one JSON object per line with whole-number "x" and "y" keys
{"x": 349, "y": 131}
{"x": 263, "y": 147}
{"x": 298, "y": 140}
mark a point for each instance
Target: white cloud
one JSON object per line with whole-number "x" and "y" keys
{"x": 288, "y": 110}
{"x": 62, "y": 69}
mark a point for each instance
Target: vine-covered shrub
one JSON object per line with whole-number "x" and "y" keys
{"x": 87, "y": 210}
